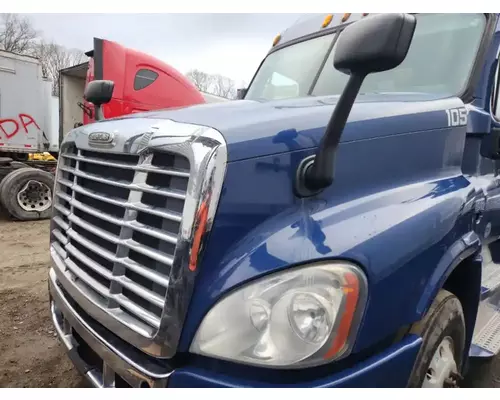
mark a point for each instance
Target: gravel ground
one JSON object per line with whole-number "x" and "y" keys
{"x": 30, "y": 354}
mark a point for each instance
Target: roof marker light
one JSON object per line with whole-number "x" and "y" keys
{"x": 346, "y": 17}
{"x": 327, "y": 20}
{"x": 276, "y": 39}
{"x": 365, "y": 14}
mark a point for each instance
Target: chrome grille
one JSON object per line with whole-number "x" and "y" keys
{"x": 115, "y": 227}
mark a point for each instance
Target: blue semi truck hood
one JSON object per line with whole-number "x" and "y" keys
{"x": 254, "y": 129}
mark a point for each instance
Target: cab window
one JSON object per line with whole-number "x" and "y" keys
{"x": 439, "y": 61}
{"x": 290, "y": 71}
{"x": 144, "y": 78}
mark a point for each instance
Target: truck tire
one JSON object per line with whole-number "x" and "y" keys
{"x": 1, "y": 185}
{"x": 440, "y": 357}
{"x": 26, "y": 194}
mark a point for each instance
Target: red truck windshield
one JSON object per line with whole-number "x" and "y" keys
{"x": 439, "y": 61}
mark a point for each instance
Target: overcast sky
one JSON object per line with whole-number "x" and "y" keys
{"x": 230, "y": 44}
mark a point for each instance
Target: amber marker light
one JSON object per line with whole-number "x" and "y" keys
{"x": 327, "y": 20}
{"x": 345, "y": 17}
{"x": 201, "y": 222}
{"x": 351, "y": 291}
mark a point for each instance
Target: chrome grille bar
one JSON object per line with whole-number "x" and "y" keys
{"x": 88, "y": 232}
{"x": 139, "y": 187}
{"x": 177, "y": 217}
{"x": 126, "y": 214}
{"x": 142, "y": 168}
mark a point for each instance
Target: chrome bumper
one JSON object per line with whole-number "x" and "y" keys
{"x": 119, "y": 363}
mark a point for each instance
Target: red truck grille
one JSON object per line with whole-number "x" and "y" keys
{"x": 116, "y": 226}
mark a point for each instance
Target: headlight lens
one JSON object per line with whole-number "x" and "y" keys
{"x": 305, "y": 316}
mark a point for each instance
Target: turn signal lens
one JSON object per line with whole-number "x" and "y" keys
{"x": 327, "y": 20}
{"x": 201, "y": 224}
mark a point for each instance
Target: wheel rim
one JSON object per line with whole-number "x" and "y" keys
{"x": 442, "y": 371}
{"x": 35, "y": 196}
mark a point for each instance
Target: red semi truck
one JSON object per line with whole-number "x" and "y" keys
{"x": 141, "y": 83}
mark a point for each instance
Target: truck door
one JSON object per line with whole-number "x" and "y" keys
{"x": 488, "y": 179}
{"x": 482, "y": 168}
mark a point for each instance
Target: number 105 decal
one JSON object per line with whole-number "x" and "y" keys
{"x": 457, "y": 116}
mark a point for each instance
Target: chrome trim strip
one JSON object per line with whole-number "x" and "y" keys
{"x": 118, "y": 361}
{"x": 141, "y": 168}
{"x": 143, "y": 187}
{"x": 205, "y": 148}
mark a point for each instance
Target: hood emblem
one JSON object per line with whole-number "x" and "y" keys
{"x": 101, "y": 138}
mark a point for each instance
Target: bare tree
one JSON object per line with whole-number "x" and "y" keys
{"x": 200, "y": 79}
{"x": 54, "y": 58}
{"x": 17, "y": 34}
{"x": 224, "y": 87}
{"x": 216, "y": 84}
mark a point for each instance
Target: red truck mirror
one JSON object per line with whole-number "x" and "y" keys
{"x": 99, "y": 92}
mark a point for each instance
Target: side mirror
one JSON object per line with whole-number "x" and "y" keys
{"x": 240, "y": 93}
{"x": 99, "y": 92}
{"x": 373, "y": 44}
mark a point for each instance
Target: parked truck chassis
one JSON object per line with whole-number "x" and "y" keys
{"x": 26, "y": 188}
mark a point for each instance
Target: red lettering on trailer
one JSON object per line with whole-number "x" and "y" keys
{"x": 11, "y": 132}
{"x": 10, "y": 127}
{"x": 30, "y": 120}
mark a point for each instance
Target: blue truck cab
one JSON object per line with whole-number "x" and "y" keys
{"x": 213, "y": 246}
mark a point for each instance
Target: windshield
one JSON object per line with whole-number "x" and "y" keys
{"x": 290, "y": 72}
{"x": 439, "y": 61}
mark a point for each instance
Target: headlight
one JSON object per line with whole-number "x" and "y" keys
{"x": 305, "y": 316}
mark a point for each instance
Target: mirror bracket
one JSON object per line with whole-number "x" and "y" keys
{"x": 301, "y": 190}
{"x": 318, "y": 174}
{"x": 375, "y": 44}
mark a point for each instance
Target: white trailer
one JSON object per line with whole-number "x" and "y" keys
{"x": 25, "y": 117}
{"x": 25, "y": 127}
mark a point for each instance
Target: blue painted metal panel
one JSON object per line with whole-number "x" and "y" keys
{"x": 399, "y": 203}
{"x": 254, "y": 129}
{"x": 389, "y": 369}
